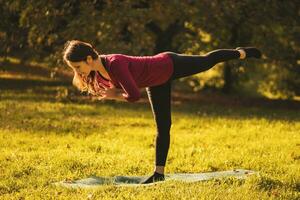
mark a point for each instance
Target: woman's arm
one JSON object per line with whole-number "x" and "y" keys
{"x": 119, "y": 68}
{"x": 112, "y": 93}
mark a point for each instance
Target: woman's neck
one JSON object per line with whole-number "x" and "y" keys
{"x": 99, "y": 67}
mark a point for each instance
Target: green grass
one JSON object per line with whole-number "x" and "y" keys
{"x": 44, "y": 139}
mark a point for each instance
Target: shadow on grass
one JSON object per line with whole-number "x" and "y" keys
{"x": 35, "y": 70}
{"x": 22, "y": 98}
{"x": 21, "y": 84}
{"x": 83, "y": 117}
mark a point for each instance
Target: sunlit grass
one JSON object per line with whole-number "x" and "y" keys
{"x": 44, "y": 140}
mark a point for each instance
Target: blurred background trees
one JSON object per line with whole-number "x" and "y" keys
{"x": 37, "y": 30}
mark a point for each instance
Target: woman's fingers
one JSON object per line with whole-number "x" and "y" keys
{"x": 101, "y": 97}
{"x": 99, "y": 91}
{"x": 100, "y": 88}
{"x": 101, "y": 94}
{"x": 101, "y": 85}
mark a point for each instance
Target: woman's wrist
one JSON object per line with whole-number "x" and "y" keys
{"x": 118, "y": 95}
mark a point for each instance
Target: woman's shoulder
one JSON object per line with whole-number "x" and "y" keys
{"x": 115, "y": 61}
{"x": 114, "y": 58}
{"x": 114, "y": 55}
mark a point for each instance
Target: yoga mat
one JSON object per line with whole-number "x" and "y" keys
{"x": 96, "y": 181}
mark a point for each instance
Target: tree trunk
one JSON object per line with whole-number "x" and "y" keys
{"x": 227, "y": 88}
{"x": 227, "y": 72}
{"x": 164, "y": 38}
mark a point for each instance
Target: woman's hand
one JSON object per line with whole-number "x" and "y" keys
{"x": 111, "y": 92}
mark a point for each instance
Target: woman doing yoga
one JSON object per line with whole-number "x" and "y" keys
{"x": 119, "y": 76}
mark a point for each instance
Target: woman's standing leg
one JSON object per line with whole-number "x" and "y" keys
{"x": 186, "y": 65}
{"x": 160, "y": 101}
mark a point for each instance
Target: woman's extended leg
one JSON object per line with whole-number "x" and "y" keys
{"x": 186, "y": 65}
{"x": 160, "y": 101}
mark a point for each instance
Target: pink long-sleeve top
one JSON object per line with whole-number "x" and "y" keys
{"x": 133, "y": 72}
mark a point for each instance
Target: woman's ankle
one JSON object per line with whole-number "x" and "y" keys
{"x": 160, "y": 169}
{"x": 250, "y": 52}
{"x": 242, "y": 53}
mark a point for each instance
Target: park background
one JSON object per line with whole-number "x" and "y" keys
{"x": 240, "y": 114}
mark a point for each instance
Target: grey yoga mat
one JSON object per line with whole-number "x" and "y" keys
{"x": 96, "y": 181}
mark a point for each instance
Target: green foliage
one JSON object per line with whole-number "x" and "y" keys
{"x": 272, "y": 26}
{"x": 38, "y": 29}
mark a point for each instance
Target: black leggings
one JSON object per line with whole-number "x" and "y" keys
{"x": 160, "y": 96}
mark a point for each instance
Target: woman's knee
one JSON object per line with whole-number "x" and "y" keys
{"x": 165, "y": 126}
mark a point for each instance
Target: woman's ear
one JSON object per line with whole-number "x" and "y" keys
{"x": 89, "y": 60}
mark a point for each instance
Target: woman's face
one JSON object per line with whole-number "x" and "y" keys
{"x": 82, "y": 67}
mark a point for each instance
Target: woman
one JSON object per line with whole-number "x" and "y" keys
{"x": 119, "y": 76}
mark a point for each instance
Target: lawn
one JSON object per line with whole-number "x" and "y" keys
{"x": 48, "y": 137}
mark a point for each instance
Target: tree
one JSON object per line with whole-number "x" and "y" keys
{"x": 38, "y": 30}
{"x": 273, "y": 26}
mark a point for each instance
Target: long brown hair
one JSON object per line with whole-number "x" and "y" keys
{"x": 77, "y": 51}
